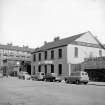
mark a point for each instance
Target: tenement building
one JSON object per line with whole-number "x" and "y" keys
{"x": 63, "y": 56}
{"x": 12, "y": 56}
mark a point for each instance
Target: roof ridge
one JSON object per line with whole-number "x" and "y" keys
{"x": 60, "y": 42}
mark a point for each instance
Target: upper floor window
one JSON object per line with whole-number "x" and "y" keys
{"x": 100, "y": 53}
{"x": 34, "y": 57}
{"x": 39, "y": 56}
{"x": 90, "y": 54}
{"x": 52, "y": 54}
{"x": 45, "y": 55}
{"x": 60, "y": 53}
{"x": 76, "y": 52}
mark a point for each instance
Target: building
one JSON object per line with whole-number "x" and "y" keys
{"x": 63, "y": 56}
{"x": 12, "y": 56}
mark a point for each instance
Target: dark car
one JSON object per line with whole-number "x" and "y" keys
{"x": 52, "y": 77}
{"x": 49, "y": 77}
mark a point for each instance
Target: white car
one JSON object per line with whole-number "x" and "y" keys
{"x": 24, "y": 75}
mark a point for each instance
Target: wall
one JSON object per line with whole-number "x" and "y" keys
{"x": 83, "y": 52}
{"x": 55, "y": 61}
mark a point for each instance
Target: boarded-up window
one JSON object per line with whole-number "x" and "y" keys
{"x": 76, "y": 52}
{"x": 100, "y": 53}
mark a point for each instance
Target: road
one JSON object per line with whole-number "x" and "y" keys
{"x": 27, "y": 92}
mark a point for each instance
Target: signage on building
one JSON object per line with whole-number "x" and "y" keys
{"x": 45, "y": 62}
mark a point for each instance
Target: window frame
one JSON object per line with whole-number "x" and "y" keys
{"x": 39, "y": 57}
{"x": 52, "y": 54}
{"x": 45, "y": 55}
{"x": 60, "y": 53}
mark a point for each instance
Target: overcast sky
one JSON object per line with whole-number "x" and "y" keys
{"x": 31, "y": 22}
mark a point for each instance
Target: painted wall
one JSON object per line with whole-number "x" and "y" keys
{"x": 88, "y": 38}
{"x": 83, "y": 52}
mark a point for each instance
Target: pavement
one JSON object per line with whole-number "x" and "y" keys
{"x": 96, "y": 83}
{"x": 14, "y": 91}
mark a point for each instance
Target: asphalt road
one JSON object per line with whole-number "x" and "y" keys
{"x": 27, "y": 92}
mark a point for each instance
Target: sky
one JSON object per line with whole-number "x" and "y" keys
{"x": 31, "y": 22}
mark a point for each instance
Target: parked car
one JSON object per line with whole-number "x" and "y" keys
{"x": 38, "y": 76}
{"x": 24, "y": 75}
{"x": 77, "y": 77}
{"x": 58, "y": 79}
{"x": 49, "y": 77}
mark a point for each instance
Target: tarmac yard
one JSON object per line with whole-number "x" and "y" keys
{"x": 14, "y": 91}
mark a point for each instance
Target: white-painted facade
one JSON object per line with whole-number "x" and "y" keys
{"x": 83, "y": 51}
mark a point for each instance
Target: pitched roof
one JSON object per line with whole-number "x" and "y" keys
{"x": 58, "y": 43}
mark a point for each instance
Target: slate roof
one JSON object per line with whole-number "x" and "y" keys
{"x": 58, "y": 43}
{"x": 17, "y": 48}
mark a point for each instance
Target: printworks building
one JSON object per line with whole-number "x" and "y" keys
{"x": 63, "y": 56}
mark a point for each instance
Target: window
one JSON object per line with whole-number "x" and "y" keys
{"x": 52, "y": 68}
{"x": 45, "y": 69}
{"x": 52, "y": 54}
{"x": 34, "y": 70}
{"x": 39, "y": 68}
{"x": 91, "y": 55}
{"x": 100, "y": 53}
{"x": 39, "y": 56}
{"x": 76, "y": 52}
{"x": 60, "y": 69}
{"x": 60, "y": 53}
{"x": 34, "y": 57}
{"x": 45, "y": 55}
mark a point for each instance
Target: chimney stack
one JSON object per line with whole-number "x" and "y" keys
{"x": 56, "y": 38}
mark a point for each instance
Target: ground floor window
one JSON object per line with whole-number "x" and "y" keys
{"x": 59, "y": 69}
{"x": 34, "y": 70}
{"x": 45, "y": 69}
{"x": 39, "y": 68}
{"x": 52, "y": 68}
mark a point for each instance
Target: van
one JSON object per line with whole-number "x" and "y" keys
{"x": 77, "y": 77}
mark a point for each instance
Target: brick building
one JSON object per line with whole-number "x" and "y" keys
{"x": 63, "y": 56}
